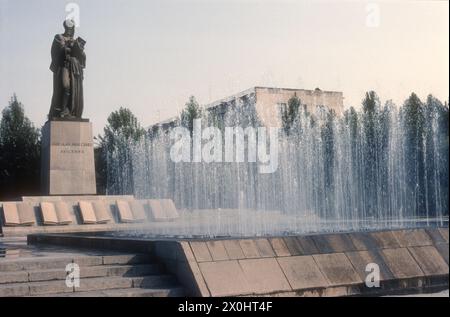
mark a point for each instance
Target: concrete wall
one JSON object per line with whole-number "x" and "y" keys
{"x": 269, "y": 99}
{"x": 319, "y": 265}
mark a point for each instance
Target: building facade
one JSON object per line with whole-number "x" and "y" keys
{"x": 265, "y": 105}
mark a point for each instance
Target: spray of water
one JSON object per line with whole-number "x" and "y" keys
{"x": 377, "y": 168}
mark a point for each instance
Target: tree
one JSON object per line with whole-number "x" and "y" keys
{"x": 328, "y": 145}
{"x": 443, "y": 155}
{"x": 436, "y": 156}
{"x": 370, "y": 120}
{"x": 414, "y": 125}
{"x": 191, "y": 112}
{"x": 19, "y": 153}
{"x": 113, "y": 156}
{"x": 122, "y": 124}
{"x": 289, "y": 115}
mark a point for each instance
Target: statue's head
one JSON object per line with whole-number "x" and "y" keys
{"x": 69, "y": 27}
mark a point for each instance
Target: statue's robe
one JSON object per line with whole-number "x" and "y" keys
{"x": 75, "y": 65}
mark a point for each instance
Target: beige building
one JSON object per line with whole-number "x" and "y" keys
{"x": 270, "y": 102}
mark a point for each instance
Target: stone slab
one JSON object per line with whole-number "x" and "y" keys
{"x": 435, "y": 235}
{"x": 63, "y": 212}
{"x": 307, "y": 245}
{"x": 233, "y": 249}
{"x": 47, "y": 275}
{"x": 332, "y": 243}
{"x": 264, "y": 276}
{"x": 169, "y": 209}
{"x": 385, "y": 239}
{"x": 337, "y": 269}
{"x": 264, "y": 248}
{"x": 27, "y": 214}
{"x": 413, "y": 237}
{"x": 14, "y": 290}
{"x": 125, "y": 213}
{"x": 302, "y": 272}
{"x": 87, "y": 271}
{"x": 98, "y": 283}
{"x": 153, "y": 281}
{"x": 293, "y": 246}
{"x": 184, "y": 252}
{"x": 225, "y": 278}
{"x": 201, "y": 251}
{"x": 87, "y": 212}
{"x": 13, "y": 277}
{"x": 44, "y": 263}
{"x": 9, "y": 266}
{"x": 49, "y": 215}
{"x": 279, "y": 247}
{"x": 67, "y": 163}
{"x": 401, "y": 263}
{"x": 249, "y": 248}
{"x": 49, "y": 287}
{"x": 138, "y": 210}
{"x": 444, "y": 233}
{"x": 126, "y": 259}
{"x": 363, "y": 241}
{"x": 217, "y": 250}
{"x": 157, "y": 212}
{"x": 360, "y": 260}
{"x": 11, "y": 214}
{"x": 429, "y": 260}
{"x": 101, "y": 210}
{"x": 443, "y": 250}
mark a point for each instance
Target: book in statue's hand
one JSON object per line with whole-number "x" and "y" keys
{"x": 81, "y": 42}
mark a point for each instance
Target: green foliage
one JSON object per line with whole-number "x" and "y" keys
{"x": 191, "y": 111}
{"x": 328, "y": 139}
{"x": 120, "y": 133}
{"x": 290, "y": 114}
{"x": 436, "y": 152}
{"x": 370, "y": 124}
{"x": 19, "y": 153}
{"x": 122, "y": 125}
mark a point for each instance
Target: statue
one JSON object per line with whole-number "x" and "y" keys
{"x": 68, "y": 62}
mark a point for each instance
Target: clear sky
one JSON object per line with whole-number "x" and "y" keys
{"x": 151, "y": 56}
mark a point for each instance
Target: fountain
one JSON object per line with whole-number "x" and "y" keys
{"x": 378, "y": 168}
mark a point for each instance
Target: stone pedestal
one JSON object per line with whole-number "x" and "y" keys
{"x": 67, "y": 161}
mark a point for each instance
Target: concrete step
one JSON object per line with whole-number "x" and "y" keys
{"x": 126, "y": 292}
{"x": 154, "y": 281}
{"x": 55, "y": 262}
{"x": 89, "y": 271}
{"x": 86, "y": 284}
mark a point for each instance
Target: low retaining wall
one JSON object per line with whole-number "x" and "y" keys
{"x": 413, "y": 260}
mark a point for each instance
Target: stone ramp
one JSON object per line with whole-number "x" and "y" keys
{"x": 409, "y": 261}
{"x": 128, "y": 275}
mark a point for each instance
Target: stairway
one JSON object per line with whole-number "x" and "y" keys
{"x": 118, "y": 275}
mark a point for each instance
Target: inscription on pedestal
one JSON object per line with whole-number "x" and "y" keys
{"x": 68, "y": 158}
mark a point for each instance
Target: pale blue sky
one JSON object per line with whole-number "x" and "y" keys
{"x": 151, "y": 55}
